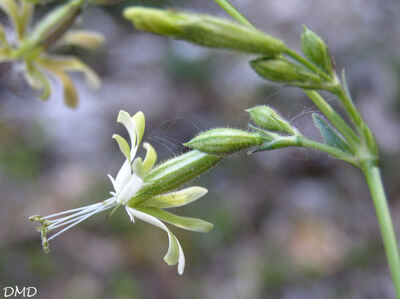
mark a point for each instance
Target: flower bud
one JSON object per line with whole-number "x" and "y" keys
{"x": 269, "y": 119}
{"x": 173, "y": 173}
{"x": 224, "y": 141}
{"x": 204, "y": 30}
{"x": 316, "y": 50}
{"x": 283, "y": 71}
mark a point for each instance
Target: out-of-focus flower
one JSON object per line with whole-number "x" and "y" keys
{"x": 29, "y": 49}
{"x": 145, "y": 192}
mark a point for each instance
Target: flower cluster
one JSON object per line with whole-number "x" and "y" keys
{"x": 29, "y": 49}
{"x": 131, "y": 189}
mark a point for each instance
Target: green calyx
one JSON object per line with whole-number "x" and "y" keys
{"x": 281, "y": 70}
{"x": 315, "y": 49}
{"x": 174, "y": 173}
{"x": 267, "y": 118}
{"x": 204, "y": 30}
{"x": 224, "y": 141}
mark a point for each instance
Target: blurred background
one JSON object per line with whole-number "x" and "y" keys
{"x": 288, "y": 224}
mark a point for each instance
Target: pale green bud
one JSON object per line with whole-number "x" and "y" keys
{"x": 283, "y": 71}
{"x": 267, "y": 118}
{"x": 173, "y": 173}
{"x": 204, "y": 30}
{"x": 316, "y": 50}
{"x": 224, "y": 141}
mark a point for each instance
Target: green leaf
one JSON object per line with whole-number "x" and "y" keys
{"x": 175, "y": 199}
{"x": 330, "y": 135}
{"x": 188, "y": 223}
{"x": 123, "y": 146}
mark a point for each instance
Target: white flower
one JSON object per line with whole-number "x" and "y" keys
{"x": 127, "y": 184}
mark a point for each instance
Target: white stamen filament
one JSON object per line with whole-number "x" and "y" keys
{"x": 81, "y": 214}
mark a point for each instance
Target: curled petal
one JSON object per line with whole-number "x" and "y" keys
{"x": 131, "y": 126}
{"x": 10, "y": 7}
{"x": 27, "y": 9}
{"x": 150, "y": 159}
{"x": 137, "y": 166}
{"x": 71, "y": 64}
{"x": 175, "y": 199}
{"x": 139, "y": 120}
{"x": 70, "y": 94}
{"x": 123, "y": 146}
{"x": 38, "y": 80}
{"x": 86, "y": 39}
{"x": 188, "y": 223}
{"x": 175, "y": 253}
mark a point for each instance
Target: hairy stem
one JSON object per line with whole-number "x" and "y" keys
{"x": 305, "y": 142}
{"x": 374, "y": 180}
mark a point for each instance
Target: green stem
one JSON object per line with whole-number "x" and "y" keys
{"x": 350, "y": 108}
{"x": 231, "y": 10}
{"x": 334, "y": 117}
{"x": 374, "y": 180}
{"x": 305, "y": 142}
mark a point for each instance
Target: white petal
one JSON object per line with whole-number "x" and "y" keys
{"x": 131, "y": 187}
{"x": 130, "y": 124}
{"x": 171, "y": 237}
{"x": 112, "y": 181}
{"x": 123, "y": 176}
{"x": 130, "y": 214}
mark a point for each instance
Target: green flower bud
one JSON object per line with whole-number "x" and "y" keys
{"x": 316, "y": 50}
{"x": 283, "y": 71}
{"x": 269, "y": 119}
{"x": 173, "y": 173}
{"x": 224, "y": 141}
{"x": 204, "y": 30}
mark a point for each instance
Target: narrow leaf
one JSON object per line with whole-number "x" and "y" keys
{"x": 330, "y": 135}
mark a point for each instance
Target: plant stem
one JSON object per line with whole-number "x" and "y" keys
{"x": 374, "y": 180}
{"x": 305, "y": 142}
{"x": 351, "y": 109}
{"x": 230, "y": 9}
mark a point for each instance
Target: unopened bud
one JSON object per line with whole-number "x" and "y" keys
{"x": 267, "y": 118}
{"x": 284, "y": 71}
{"x": 204, "y": 30}
{"x": 316, "y": 50}
{"x": 224, "y": 141}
